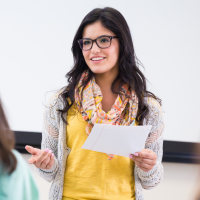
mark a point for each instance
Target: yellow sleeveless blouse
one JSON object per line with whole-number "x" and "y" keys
{"x": 88, "y": 174}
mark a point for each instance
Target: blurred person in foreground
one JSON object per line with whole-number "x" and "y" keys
{"x": 16, "y": 181}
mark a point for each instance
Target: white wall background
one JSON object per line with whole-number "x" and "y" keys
{"x": 35, "y": 55}
{"x": 181, "y": 181}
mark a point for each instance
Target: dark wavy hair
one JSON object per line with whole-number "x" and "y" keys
{"x": 129, "y": 71}
{"x": 7, "y": 142}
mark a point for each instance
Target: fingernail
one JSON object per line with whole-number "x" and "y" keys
{"x": 135, "y": 154}
{"x": 130, "y": 156}
{"x": 25, "y": 146}
{"x": 50, "y": 152}
{"x": 29, "y": 161}
{"x": 47, "y": 150}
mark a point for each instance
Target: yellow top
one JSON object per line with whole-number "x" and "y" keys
{"x": 89, "y": 175}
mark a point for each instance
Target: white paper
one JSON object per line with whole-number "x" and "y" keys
{"x": 118, "y": 140}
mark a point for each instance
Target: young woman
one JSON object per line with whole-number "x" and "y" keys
{"x": 104, "y": 86}
{"x": 16, "y": 181}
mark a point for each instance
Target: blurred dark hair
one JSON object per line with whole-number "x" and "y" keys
{"x": 129, "y": 71}
{"x": 7, "y": 142}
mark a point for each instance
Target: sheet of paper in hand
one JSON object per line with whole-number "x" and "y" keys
{"x": 118, "y": 140}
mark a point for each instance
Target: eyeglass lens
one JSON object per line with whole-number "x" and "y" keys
{"x": 103, "y": 42}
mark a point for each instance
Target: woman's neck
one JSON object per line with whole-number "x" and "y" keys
{"x": 105, "y": 80}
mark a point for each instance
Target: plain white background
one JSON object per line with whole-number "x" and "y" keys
{"x": 35, "y": 54}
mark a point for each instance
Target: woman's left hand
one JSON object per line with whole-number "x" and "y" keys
{"x": 145, "y": 160}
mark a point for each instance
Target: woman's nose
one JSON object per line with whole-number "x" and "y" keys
{"x": 95, "y": 48}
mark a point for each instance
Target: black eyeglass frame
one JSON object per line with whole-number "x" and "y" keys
{"x": 111, "y": 37}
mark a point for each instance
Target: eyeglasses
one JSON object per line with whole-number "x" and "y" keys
{"x": 102, "y": 42}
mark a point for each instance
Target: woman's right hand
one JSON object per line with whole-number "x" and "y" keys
{"x": 40, "y": 158}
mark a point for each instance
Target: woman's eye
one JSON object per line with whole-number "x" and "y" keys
{"x": 104, "y": 40}
{"x": 86, "y": 42}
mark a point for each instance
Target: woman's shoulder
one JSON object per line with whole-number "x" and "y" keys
{"x": 16, "y": 154}
{"x": 24, "y": 179}
{"x": 55, "y": 100}
{"x": 20, "y": 160}
{"x": 155, "y": 113}
{"x": 153, "y": 104}
{"x": 52, "y": 116}
{"x": 21, "y": 166}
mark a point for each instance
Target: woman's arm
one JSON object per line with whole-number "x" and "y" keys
{"x": 154, "y": 143}
{"x": 50, "y": 135}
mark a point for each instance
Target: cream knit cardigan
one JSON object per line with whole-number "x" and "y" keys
{"x": 54, "y": 138}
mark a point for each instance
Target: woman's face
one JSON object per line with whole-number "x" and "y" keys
{"x": 110, "y": 55}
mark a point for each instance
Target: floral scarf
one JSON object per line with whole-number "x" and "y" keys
{"x": 123, "y": 112}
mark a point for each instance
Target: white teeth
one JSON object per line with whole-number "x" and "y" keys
{"x": 97, "y": 58}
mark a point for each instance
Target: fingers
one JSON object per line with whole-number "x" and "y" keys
{"x": 149, "y": 159}
{"x": 51, "y": 163}
{"x": 32, "y": 160}
{"x": 41, "y": 158}
{"x": 45, "y": 159}
{"x": 145, "y": 160}
{"x": 148, "y": 154}
{"x": 144, "y": 167}
{"x": 145, "y": 154}
{"x": 33, "y": 151}
{"x": 30, "y": 149}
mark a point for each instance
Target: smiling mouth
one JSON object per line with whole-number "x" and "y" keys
{"x": 97, "y": 59}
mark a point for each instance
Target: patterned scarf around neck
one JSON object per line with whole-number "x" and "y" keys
{"x": 123, "y": 112}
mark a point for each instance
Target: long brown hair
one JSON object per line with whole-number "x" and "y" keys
{"x": 7, "y": 142}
